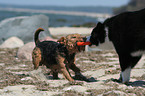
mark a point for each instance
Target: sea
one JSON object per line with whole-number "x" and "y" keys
{"x": 56, "y": 20}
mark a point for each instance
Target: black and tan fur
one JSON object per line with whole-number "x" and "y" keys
{"x": 58, "y": 56}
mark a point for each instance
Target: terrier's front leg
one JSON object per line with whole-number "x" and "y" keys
{"x": 63, "y": 68}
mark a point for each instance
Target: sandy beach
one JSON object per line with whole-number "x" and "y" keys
{"x": 101, "y": 67}
{"x": 69, "y": 30}
{"x": 18, "y": 78}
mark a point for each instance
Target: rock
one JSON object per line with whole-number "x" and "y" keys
{"x": 12, "y": 42}
{"x": 23, "y": 27}
{"x": 25, "y": 52}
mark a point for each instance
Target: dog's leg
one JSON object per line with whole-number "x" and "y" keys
{"x": 63, "y": 68}
{"x": 36, "y": 57}
{"x": 65, "y": 72}
{"x": 55, "y": 75}
{"x": 54, "y": 70}
{"x": 71, "y": 64}
{"x": 125, "y": 75}
{"x": 77, "y": 71}
{"x": 67, "y": 67}
{"x": 127, "y": 62}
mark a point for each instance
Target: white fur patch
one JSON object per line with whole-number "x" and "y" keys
{"x": 107, "y": 45}
{"x": 107, "y": 33}
{"x": 126, "y": 75}
{"x": 137, "y": 53}
{"x": 88, "y": 38}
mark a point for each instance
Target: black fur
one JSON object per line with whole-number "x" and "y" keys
{"x": 127, "y": 33}
{"x": 50, "y": 50}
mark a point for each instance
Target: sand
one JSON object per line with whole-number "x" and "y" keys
{"x": 69, "y": 30}
{"x": 18, "y": 78}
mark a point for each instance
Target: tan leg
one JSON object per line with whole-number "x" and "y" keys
{"x": 63, "y": 68}
{"x": 36, "y": 57}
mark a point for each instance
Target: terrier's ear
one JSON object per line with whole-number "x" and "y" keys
{"x": 62, "y": 40}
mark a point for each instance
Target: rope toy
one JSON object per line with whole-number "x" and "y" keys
{"x": 83, "y": 43}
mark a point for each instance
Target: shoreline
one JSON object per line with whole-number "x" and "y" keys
{"x": 99, "y": 15}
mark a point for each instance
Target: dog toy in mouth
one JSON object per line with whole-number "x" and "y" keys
{"x": 83, "y": 43}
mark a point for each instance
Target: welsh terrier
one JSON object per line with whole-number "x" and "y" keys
{"x": 58, "y": 56}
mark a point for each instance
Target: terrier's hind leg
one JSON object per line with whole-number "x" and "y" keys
{"x": 36, "y": 57}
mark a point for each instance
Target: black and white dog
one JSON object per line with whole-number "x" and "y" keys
{"x": 127, "y": 33}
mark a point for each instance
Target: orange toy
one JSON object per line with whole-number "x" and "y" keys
{"x": 83, "y": 43}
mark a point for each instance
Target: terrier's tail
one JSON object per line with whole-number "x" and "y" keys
{"x": 36, "y": 36}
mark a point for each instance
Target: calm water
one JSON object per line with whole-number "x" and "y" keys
{"x": 55, "y": 20}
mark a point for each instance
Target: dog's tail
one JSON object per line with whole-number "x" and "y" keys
{"x": 36, "y": 36}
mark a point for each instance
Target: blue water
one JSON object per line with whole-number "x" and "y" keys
{"x": 68, "y": 20}
{"x": 55, "y": 20}
{"x": 94, "y": 9}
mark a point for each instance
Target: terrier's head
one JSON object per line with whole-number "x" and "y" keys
{"x": 70, "y": 41}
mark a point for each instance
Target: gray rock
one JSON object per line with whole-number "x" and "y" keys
{"x": 25, "y": 52}
{"x": 23, "y": 27}
{"x": 12, "y": 42}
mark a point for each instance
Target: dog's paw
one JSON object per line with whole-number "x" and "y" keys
{"x": 82, "y": 78}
